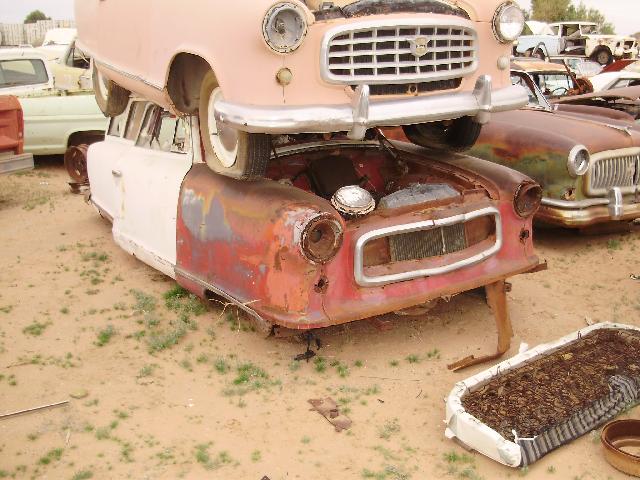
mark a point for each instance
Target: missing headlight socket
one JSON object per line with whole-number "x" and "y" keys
{"x": 524, "y": 235}
{"x": 322, "y": 285}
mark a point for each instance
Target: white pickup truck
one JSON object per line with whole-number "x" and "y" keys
{"x": 575, "y": 38}
{"x": 59, "y": 111}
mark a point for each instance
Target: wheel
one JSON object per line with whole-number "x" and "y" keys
{"x": 228, "y": 151}
{"x": 75, "y": 161}
{"x": 110, "y": 97}
{"x": 457, "y": 135}
{"x": 602, "y": 56}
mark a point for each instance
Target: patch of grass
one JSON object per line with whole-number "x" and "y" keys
{"x": 146, "y": 370}
{"x": 104, "y": 335}
{"x": 256, "y": 456}
{"x": 36, "y": 328}
{"x": 394, "y": 363}
{"x": 143, "y": 302}
{"x": 389, "y": 472}
{"x": 52, "y": 455}
{"x": 159, "y": 341}
{"x": 551, "y": 469}
{"x": 82, "y": 475}
{"x": 433, "y": 354}
{"x": 342, "y": 369}
{"x": 249, "y": 377}
{"x": 183, "y": 303}
{"x": 306, "y": 439}
{"x": 221, "y": 366}
{"x": 390, "y": 427}
{"x": 103, "y": 433}
{"x": 64, "y": 310}
{"x": 6, "y": 309}
{"x": 320, "y": 364}
{"x": 204, "y": 458}
{"x": 358, "y": 363}
{"x": 412, "y": 358}
{"x": 613, "y": 244}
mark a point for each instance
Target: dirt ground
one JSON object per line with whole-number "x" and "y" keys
{"x": 159, "y": 389}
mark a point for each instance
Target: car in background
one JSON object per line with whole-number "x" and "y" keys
{"x": 12, "y": 157}
{"x": 629, "y": 76}
{"x": 58, "y": 112}
{"x": 554, "y": 80}
{"x": 625, "y": 100}
{"x": 576, "y": 38}
{"x": 316, "y": 67}
{"x": 586, "y": 159}
{"x": 580, "y": 66}
{"x": 338, "y": 230}
{"x": 56, "y": 42}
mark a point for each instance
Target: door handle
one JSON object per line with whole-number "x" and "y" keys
{"x": 116, "y": 173}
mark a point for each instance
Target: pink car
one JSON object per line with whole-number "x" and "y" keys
{"x": 252, "y": 69}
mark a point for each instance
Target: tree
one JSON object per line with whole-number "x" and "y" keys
{"x": 581, "y": 12}
{"x": 36, "y": 15}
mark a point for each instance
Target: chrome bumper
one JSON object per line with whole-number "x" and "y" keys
{"x": 364, "y": 113}
{"x": 364, "y": 280}
{"x": 589, "y": 211}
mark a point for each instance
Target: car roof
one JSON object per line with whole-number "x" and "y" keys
{"x": 574, "y": 23}
{"x": 13, "y": 53}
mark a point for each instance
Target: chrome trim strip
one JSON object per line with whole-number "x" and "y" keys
{"x": 129, "y": 75}
{"x": 342, "y": 29}
{"x": 358, "y": 261}
{"x": 217, "y": 291}
{"x": 574, "y": 204}
{"x": 282, "y": 119}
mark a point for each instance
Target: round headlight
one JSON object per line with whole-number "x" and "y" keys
{"x": 527, "y": 199}
{"x": 321, "y": 238}
{"x": 578, "y": 161}
{"x": 508, "y": 22}
{"x": 284, "y": 27}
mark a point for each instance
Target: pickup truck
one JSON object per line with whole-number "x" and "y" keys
{"x": 575, "y": 38}
{"x": 58, "y": 111}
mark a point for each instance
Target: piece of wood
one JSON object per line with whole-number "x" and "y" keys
{"x": 34, "y": 409}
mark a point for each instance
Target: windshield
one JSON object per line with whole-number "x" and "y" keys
{"x": 22, "y": 72}
{"x": 589, "y": 29}
{"x": 553, "y": 84}
{"x": 632, "y": 67}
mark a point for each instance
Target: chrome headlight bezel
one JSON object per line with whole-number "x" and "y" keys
{"x": 578, "y": 161}
{"x": 496, "y": 23}
{"x": 281, "y": 9}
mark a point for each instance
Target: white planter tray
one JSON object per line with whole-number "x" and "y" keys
{"x": 476, "y": 435}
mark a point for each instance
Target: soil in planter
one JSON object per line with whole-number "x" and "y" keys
{"x": 546, "y": 392}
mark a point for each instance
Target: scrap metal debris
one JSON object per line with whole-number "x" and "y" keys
{"x": 329, "y": 409}
{"x": 34, "y": 409}
{"x": 308, "y": 353}
{"x": 618, "y": 435}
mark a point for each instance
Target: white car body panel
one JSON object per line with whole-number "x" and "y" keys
{"x": 26, "y": 53}
{"x": 609, "y": 80}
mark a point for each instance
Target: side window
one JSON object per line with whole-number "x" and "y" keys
{"x": 136, "y": 113}
{"x": 116, "y": 125}
{"x": 163, "y": 131}
{"x": 22, "y": 72}
{"x": 78, "y": 59}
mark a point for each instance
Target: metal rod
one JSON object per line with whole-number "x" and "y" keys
{"x": 34, "y": 409}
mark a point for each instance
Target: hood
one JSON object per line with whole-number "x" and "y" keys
{"x": 361, "y": 8}
{"x": 529, "y": 129}
{"x": 627, "y": 93}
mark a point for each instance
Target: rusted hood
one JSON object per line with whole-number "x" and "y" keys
{"x": 528, "y": 129}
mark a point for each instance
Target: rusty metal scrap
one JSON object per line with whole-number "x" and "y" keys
{"x": 329, "y": 409}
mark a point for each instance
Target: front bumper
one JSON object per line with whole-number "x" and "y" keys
{"x": 363, "y": 113}
{"x": 583, "y": 213}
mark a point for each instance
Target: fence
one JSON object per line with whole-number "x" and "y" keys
{"x": 29, "y": 33}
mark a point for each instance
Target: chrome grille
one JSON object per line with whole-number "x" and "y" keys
{"x": 427, "y": 243}
{"x": 370, "y": 54}
{"x": 615, "y": 171}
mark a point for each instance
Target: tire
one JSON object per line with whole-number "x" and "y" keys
{"x": 75, "y": 161}
{"x": 602, "y": 56}
{"x": 458, "y": 136}
{"x": 110, "y": 97}
{"x": 228, "y": 151}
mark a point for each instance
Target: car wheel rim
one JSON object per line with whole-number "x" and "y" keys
{"x": 224, "y": 139}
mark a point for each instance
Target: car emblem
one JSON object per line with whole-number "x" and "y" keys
{"x": 418, "y": 45}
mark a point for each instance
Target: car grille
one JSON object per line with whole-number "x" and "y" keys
{"x": 427, "y": 243}
{"x": 383, "y": 54}
{"x": 617, "y": 171}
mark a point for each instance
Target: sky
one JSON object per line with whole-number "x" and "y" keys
{"x": 624, "y": 14}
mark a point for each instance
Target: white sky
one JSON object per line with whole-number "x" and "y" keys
{"x": 624, "y": 14}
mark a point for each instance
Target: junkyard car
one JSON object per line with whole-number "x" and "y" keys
{"x": 577, "y": 38}
{"x": 587, "y": 159}
{"x": 627, "y": 77}
{"x": 339, "y": 230}
{"x": 58, "y": 112}
{"x": 257, "y": 68}
{"x": 554, "y": 80}
{"x": 625, "y": 99}
{"x": 12, "y": 157}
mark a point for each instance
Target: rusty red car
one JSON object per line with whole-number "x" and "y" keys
{"x": 339, "y": 230}
{"x": 12, "y": 157}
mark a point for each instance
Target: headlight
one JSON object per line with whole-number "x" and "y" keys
{"x": 578, "y": 161}
{"x": 321, "y": 238}
{"x": 508, "y": 22}
{"x": 527, "y": 199}
{"x": 284, "y": 27}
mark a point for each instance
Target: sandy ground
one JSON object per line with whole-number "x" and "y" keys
{"x": 79, "y": 317}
